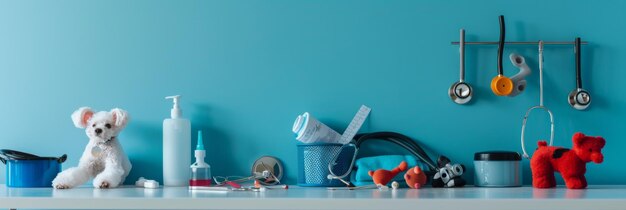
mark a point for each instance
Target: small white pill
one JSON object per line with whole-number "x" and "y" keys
{"x": 395, "y": 185}
{"x": 151, "y": 184}
{"x": 140, "y": 182}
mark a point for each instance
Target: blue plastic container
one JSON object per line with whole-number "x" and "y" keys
{"x": 27, "y": 170}
{"x": 313, "y": 160}
{"x": 497, "y": 169}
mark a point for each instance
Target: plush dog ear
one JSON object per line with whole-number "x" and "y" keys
{"x": 81, "y": 116}
{"x": 120, "y": 117}
{"x": 578, "y": 138}
{"x": 602, "y": 142}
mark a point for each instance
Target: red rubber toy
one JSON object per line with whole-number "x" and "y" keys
{"x": 382, "y": 176}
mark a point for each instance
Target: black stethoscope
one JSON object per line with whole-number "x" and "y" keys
{"x": 461, "y": 92}
{"x": 579, "y": 98}
{"x": 500, "y": 84}
{"x": 343, "y": 161}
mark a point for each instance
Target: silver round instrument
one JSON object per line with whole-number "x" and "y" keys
{"x": 461, "y": 92}
{"x": 271, "y": 165}
{"x": 579, "y": 98}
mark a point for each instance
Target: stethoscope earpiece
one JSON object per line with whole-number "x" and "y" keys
{"x": 579, "y": 98}
{"x": 461, "y": 92}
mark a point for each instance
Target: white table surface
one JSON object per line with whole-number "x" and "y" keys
{"x": 128, "y": 197}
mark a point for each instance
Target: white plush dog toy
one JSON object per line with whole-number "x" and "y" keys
{"x": 103, "y": 158}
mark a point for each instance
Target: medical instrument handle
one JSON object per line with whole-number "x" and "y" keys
{"x": 462, "y": 54}
{"x": 579, "y": 83}
{"x": 233, "y": 184}
{"x": 541, "y": 73}
{"x": 206, "y": 188}
{"x": 501, "y": 45}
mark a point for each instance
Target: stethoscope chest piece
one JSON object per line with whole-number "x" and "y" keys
{"x": 501, "y": 85}
{"x": 271, "y": 165}
{"x": 579, "y": 98}
{"x": 461, "y": 92}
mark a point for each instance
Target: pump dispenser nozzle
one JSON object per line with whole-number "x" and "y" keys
{"x": 176, "y": 112}
{"x": 200, "y": 153}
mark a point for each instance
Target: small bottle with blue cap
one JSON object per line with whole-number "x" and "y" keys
{"x": 200, "y": 170}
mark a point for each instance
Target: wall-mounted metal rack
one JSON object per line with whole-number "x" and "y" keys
{"x": 461, "y": 92}
{"x": 519, "y": 43}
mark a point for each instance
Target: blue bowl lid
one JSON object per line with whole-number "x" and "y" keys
{"x": 497, "y": 156}
{"x": 7, "y": 154}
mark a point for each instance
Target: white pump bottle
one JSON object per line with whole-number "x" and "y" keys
{"x": 176, "y": 147}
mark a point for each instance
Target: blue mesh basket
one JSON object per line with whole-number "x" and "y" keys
{"x": 313, "y": 160}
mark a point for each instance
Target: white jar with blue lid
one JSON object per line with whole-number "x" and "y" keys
{"x": 497, "y": 169}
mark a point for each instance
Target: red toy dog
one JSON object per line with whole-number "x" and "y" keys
{"x": 570, "y": 163}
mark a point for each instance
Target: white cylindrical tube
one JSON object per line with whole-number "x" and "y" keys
{"x": 310, "y": 130}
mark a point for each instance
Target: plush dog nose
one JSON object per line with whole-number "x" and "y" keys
{"x": 98, "y": 130}
{"x": 597, "y": 157}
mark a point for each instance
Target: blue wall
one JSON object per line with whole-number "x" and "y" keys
{"x": 246, "y": 69}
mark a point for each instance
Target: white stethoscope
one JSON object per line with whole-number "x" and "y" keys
{"x": 525, "y": 155}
